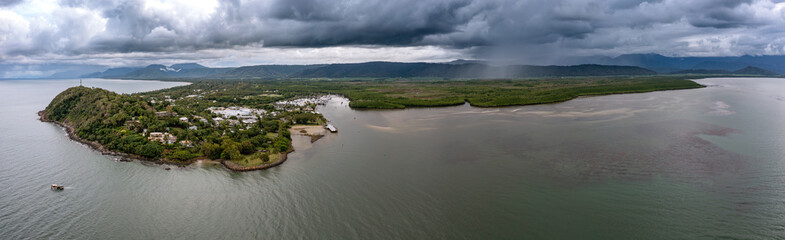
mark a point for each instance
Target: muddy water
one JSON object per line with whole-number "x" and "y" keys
{"x": 701, "y": 163}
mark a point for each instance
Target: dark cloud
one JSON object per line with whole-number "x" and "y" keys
{"x": 5, "y": 3}
{"x": 302, "y": 23}
{"x": 486, "y": 27}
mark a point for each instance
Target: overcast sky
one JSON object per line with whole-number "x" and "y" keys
{"x": 248, "y": 32}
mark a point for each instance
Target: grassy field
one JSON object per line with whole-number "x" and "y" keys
{"x": 256, "y": 160}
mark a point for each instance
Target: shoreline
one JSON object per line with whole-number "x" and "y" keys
{"x": 308, "y": 130}
{"x": 315, "y": 132}
{"x": 126, "y": 157}
{"x": 237, "y": 168}
{"x": 123, "y": 157}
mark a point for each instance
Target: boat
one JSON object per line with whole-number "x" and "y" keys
{"x": 57, "y": 187}
{"x": 331, "y": 128}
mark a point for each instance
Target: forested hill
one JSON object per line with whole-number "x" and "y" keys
{"x": 750, "y": 70}
{"x": 469, "y": 70}
{"x": 663, "y": 64}
{"x": 96, "y": 113}
{"x": 81, "y": 106}
{"x": 371, "y": 69}
{"x": 173, "y": 126}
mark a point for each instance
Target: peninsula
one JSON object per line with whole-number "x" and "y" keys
{"x": 181, "y": 129}
{"x": 245, "y": 124}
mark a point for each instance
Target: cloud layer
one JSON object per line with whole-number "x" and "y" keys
{"x": 308, "y": 31}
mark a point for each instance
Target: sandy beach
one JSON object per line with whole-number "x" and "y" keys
{"x": 309, "y": 130}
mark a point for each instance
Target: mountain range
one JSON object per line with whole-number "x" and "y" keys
{"x": 632, "y": 64}
{"x": 663, "y": 64}
{"x": 744, "y": 71}
{"x": 366, "y": 70}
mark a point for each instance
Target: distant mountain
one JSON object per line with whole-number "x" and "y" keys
{"x": 112, "y": 73}
{"x": 701, "y": 71}
{"x": 67, "y": 74}
{"x": 665, "y": 64}
{"x": 755, "y": 71}
{"x": 579, "y": 70}
{"x": 155, "y": 71}
{"x": 749, "y": 70}
{"x": 455, "y": 69}
{"x": 265, "y": 71}
{"x": 469, "y": 70}
{"x": 188, "y": 66}
{"x": 158, "y": 71}
{"x": 463, "y": 61}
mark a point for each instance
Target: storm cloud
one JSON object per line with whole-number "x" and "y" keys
{"x": 96, "y": 32}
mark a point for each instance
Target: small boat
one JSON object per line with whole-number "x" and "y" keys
{"x": 331, "y": 128}
{"x": 57, "y": 187}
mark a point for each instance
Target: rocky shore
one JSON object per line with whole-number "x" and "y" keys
{"x": 126, "y": 157}
{"x": 236, "y": 167}
{"x": 121, "y": 156}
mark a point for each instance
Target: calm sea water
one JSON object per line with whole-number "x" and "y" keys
{"x": 701, "y": 163}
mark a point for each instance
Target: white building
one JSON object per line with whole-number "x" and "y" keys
{"x": 239, "y": 112}
{"x": 165, "y": 137}
{"x": 249, "y": 120}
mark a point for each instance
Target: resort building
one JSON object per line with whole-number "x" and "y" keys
{"x": 201, "y": 119}
{"x": 249, "y": 120}
{"x": 239, "y": 112}
{"x": 166, "y": 138}
{"x": 186, "y": 143}
{"x": 165, "y": 114}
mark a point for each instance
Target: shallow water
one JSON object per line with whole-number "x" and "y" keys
{"x": 700, "y": 163}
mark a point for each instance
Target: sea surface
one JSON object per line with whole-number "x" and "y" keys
{"x": 685, "y": 164}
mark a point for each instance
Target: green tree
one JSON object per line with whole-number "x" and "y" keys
{"x": 246, "y": 147}
{"x": 150, "y": 150}
{"x": 181, "y": 155}
{"x": 212, "y": 150}
{"x": 264, "y": 158}
{"x": 282, "y": 144}
{"x": 231, "y": 149}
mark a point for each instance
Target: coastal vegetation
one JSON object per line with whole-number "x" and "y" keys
{"x": 176, "y": 132}
{"x": 246, "y": 122}
{"x": 380, "y": 93}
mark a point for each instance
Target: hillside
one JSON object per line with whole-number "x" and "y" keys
{"x": 96, "y": 115}
{"x": 112, "y": 73}
{"x": 191, "y": 70}
{"x": 451, "y": 70}
{"x": 263, "y": 71}
{"x": 702, "y": 71}
{"x": 663, "y": 64}
{"x": 158, "y": 71}
{"x": 754, "y": 71}
{"x": 744, "y": 71}
{"x": 460, "y": 69}
{"x": 469, "y": 70}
